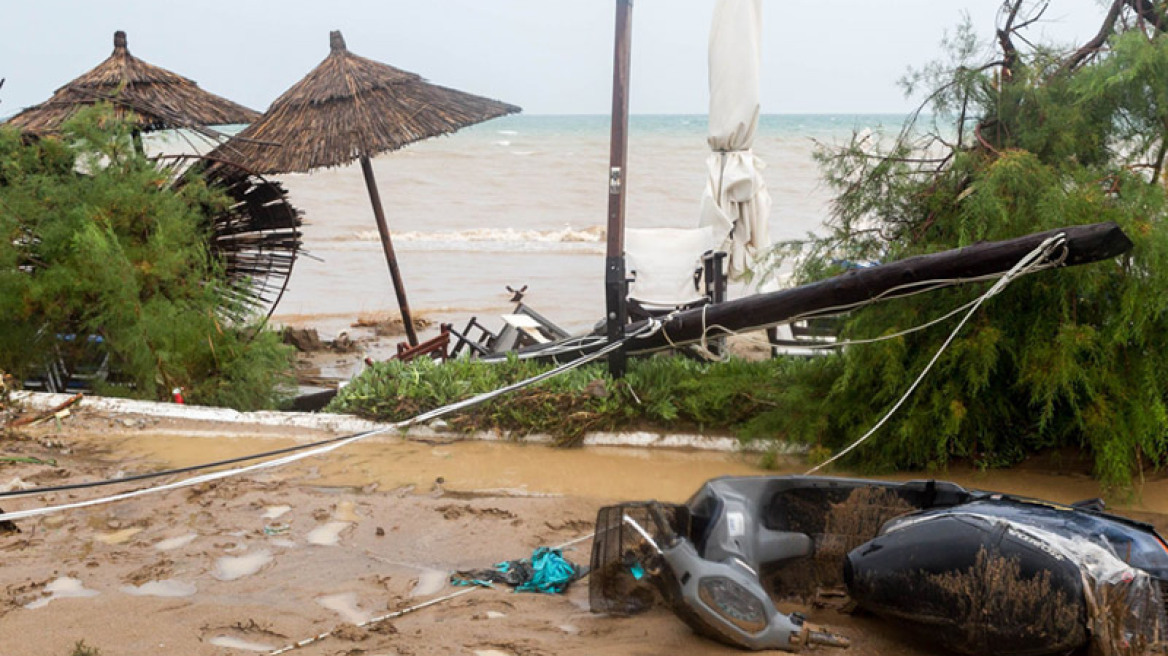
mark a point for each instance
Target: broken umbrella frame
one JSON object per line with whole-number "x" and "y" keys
{"x": 256, "y": 237}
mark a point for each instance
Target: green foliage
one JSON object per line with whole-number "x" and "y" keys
{"x": 117, "y": 252}
{"x": 82, "y": 649}
{"x": 667, "y": 393}
{"x": 1070, "y": 357}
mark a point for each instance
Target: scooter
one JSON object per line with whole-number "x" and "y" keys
{"x": 917, "y": 553}
{"x": 723, "y": 599}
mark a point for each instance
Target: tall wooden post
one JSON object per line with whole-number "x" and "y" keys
{"x": 387, "y": 245}
{"x": 615, "y": 282}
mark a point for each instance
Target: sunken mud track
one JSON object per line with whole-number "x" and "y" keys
{"x": 250, "y": 564}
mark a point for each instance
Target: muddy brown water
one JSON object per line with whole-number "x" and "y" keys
{"x": 602, "y": 473}
{"x": 318, "y": 569}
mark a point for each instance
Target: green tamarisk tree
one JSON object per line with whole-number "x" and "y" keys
{"x": 1035, "y": 138}
{"x": 101, "y": 254}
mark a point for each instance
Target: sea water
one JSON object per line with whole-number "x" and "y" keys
{"x": 523, "y": 201}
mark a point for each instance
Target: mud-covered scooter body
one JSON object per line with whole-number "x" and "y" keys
{"x": 902, "y": 550}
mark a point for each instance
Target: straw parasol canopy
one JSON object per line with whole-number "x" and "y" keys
{"x": 352, "y": 108}
{"x": 157, "y": 98}
{"x": 349, "y": 106}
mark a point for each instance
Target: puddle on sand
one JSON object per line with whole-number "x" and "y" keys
{"x": 229, "y": 568}
{"x": 275, "y": 512}
{"x": 391, "y": 463}
{"x": 176, "y": 542}
{"x": 119, "y": 537}
{"x": 238, "y": 643}
{"x": 345, "y": 605}
{"x": 328, "y": 534}
{"x": 62, "y": 588}
{"x": 603, "y": 473}
{"x": 429, "y": 582}
{"x": 346, "y": 512}
{"x": 163, "y": 588}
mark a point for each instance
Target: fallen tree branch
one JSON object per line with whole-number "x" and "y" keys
{"x": 1093, "y": 46}
{"x": 24, "y": 421}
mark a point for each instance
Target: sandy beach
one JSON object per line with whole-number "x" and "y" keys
{"x": 254, "y": 563}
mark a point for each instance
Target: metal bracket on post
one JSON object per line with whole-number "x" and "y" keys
{"x": 616, "y": 290}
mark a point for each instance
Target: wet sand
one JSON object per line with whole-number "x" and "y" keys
{"x": 250, "y": 564}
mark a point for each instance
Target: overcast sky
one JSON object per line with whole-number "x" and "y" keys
{"x": 548, "y": 56}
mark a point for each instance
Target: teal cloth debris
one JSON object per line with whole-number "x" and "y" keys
{"x": 637, "y": 570}
{"x": 547, "y": 571}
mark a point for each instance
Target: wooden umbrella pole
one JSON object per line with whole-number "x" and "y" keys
{"x": 387, "y": 246}
{"x": 615, "y": 283}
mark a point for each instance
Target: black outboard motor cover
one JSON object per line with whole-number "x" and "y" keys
{"x": 1000, "y": 576}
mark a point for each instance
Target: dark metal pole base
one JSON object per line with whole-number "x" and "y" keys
{"x": 616, "y": 287}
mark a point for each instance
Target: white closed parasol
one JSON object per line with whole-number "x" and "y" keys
{"x": 736, "y": 202}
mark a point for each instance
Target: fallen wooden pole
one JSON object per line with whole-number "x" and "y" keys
{"x": 1084, "y": 244}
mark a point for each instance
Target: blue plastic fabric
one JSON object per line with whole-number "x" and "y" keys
{"x": 547, "y": 571}
{"x": 551, "y": 572}
{"x": 455, "y": 579}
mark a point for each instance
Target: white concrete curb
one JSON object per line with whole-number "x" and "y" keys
{"x": 41, "y": 401}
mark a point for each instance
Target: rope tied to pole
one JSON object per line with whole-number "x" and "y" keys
{"x": 1039, "y": 258}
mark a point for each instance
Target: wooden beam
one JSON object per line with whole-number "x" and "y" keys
{"x": 1084, "y": 244}
{"x": 399, "y": 288}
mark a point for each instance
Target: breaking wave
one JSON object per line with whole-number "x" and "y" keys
{"x": 566, "y": 238}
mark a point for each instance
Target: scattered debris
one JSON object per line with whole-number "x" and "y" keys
{"x": 306, "y": 340}
{"x": 350, "y": 632}
{"x": 27, "y": 460}
{"x": 389, "y": 326}
{"x": 16, "y": 484}
{"x": 546, "y": 571}
{"x": 7, "y": 386}
{"x": 454, "y": 512}
{"x": 161, "y": 569}
{"x": 344, "y": 344}
{"x": 59, "y": 412}
{"x": 517, "y": 294}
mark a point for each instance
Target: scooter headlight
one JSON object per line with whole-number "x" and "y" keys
{"x": 733, "y": 602}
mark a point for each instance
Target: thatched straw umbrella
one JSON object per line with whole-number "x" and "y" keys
{"x": 348, "y": 108}
{"x": 155, "y": 97}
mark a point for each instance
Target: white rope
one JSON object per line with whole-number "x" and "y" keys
{"x": 267, "y": 464}
{"x": 704, "y": 346}
{"x": 918, "y": 287}
{"x": 1031, "y": 261}
{"x": 851, "y": 342}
